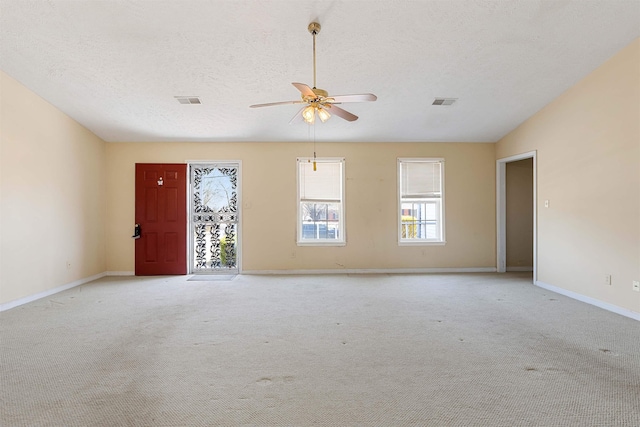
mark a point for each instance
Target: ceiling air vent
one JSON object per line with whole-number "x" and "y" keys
{"x": 444, "y": 101}
{"x": 188, "y": 99}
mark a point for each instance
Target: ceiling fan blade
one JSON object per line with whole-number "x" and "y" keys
{"x": 298, "y": 117}
{"x": 304, "y": 89}
{"x": 360, "y": 97}
{"x": 270, "y": 104}
{"x": 342, "y": 113}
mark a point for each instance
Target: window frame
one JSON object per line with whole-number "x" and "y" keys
{"x": 403, "y": 241}
{"x": 342, "y": 240}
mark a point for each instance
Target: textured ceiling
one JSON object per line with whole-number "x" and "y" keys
{"x": 116, "y": 66}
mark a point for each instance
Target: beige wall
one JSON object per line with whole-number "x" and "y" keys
{"x": 269, "y": 203}
{"x": 52, "y": 196}
{"x": 519, "y": 219}
{"x": 588, "y": 167}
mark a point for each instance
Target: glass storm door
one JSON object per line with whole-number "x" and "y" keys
{"x": 214, "y": 218}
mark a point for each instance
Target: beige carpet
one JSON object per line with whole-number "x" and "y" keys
{"x": 371, "y": 350}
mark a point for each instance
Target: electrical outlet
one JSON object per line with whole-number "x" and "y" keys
{"x": 68, "y": 265}
{"x": 607, "y": 279}
{"x": 546, "y": 203}
{"x": 636, "y": 286}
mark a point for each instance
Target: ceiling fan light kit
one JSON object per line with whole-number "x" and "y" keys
{"x": 317, "y": 101}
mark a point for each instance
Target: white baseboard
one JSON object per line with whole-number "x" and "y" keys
{"x": 601, "y": 304}
{"x": 44, "y": 294}
{"x": 520, "y": 268}
{"x": 375, "y": 271}
{"x": 119, "y": 273}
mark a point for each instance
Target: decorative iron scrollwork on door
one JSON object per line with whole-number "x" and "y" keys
{"x": 214, "y": 217}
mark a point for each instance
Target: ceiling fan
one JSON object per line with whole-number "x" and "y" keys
{"x": 317, "y": 101}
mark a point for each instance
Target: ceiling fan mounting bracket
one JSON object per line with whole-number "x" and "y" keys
{"x": 314, "y": 28}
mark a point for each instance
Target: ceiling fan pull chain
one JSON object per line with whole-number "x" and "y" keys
{"x": 314, "y": 148}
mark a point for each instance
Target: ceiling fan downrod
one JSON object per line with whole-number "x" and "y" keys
{"x": 314, "y": 28}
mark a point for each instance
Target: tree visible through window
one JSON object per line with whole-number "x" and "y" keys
{"x": 320, "y": 201}
{"x": 420, "y": 189}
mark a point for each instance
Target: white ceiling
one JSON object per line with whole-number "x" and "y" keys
{"x": 115, "y": 66}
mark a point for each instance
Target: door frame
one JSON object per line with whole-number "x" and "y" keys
{"x": 501, "y": 211}
{"x": 190, "y": 242}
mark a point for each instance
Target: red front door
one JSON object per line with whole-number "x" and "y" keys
{"x": 161, "y": 213}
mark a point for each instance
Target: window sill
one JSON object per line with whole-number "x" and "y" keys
{"x": 421, "y": 243}
{"x": 321, "y": 243}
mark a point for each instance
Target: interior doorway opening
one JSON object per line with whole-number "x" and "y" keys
{"x": 516, "y": 213}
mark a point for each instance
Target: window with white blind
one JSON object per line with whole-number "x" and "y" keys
{"x": 321, "y": 201}
{"x": 421, "y": 201}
